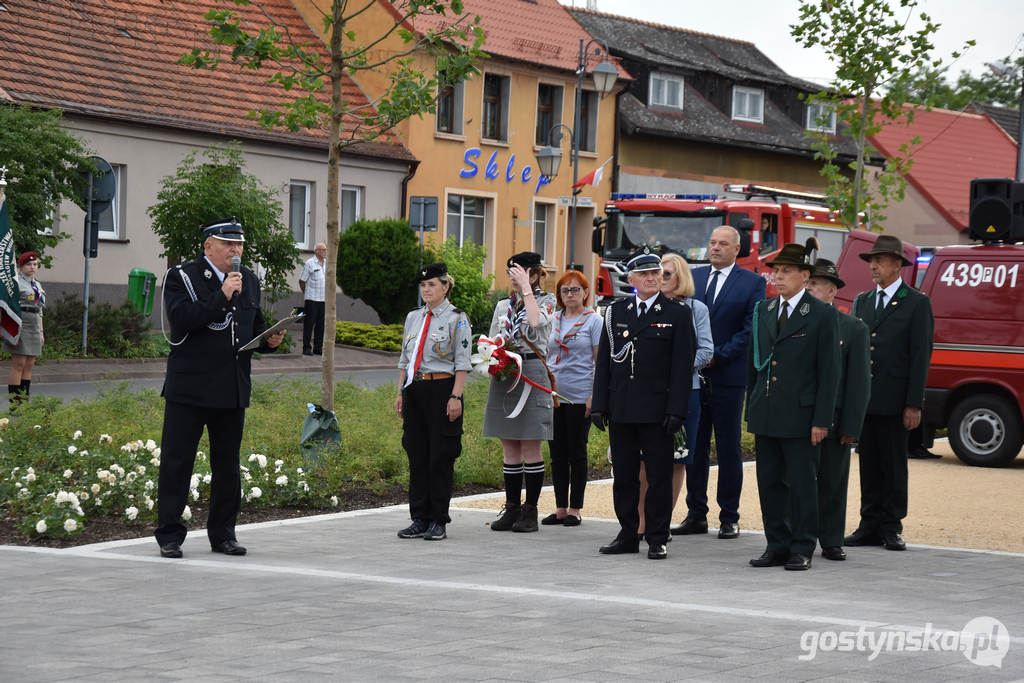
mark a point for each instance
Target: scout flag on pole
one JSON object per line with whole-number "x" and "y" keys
{"x": 594, "y": 177}
{"x": 10, "y": 307}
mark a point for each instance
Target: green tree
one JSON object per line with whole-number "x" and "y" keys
{"x": 472, "y": 289}
{"x": 43, "y": 162}
{"x": 874, "y": 51}
{"x": 454, "y": 47}
{"x": 216, "y": 185}
{"x": 377, "y": 262}
{"x": 930, "y": 87}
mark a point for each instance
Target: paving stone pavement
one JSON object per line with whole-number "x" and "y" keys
{"x": 340, "y": 597}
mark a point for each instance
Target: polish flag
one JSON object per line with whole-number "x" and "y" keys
{"x": 594, "y": 177}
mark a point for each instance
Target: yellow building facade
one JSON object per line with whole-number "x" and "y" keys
{"x": 477, "y": 170}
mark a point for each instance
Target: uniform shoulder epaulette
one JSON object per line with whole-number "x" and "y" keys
{"x": 457, "y": 309}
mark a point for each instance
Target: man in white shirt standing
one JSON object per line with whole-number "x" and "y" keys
{"x": 314, "y": 288}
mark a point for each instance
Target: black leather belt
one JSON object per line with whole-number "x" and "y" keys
{"x": 29, "y": 309}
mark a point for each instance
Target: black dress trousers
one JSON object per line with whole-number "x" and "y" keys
{"x": 432, "y": 442}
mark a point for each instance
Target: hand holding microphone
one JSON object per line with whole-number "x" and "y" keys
{"x": 233, "y": 280}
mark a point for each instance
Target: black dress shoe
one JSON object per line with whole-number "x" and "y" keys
{"x": 690, "y": 526}
{"x": 893, "y": 541}
{"x": 658, "y": 551}
{"x": 307, "y": 353}
{"x": 770, "y": 558}
{"x": 833, "y": 552}
{"x": 863, "y": 537}
{"x": 170, "y": 549}
{"x": 620, "y": 547}
{"x": 553, "y": 519}
{"x": 922, "y": 453}
{"x": 798, "y": 562}
{"x": 572, "y": 520}
{"x": 229, "y": 547}
{"x": 729, "y": 530}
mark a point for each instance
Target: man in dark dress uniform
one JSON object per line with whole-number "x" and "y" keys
{"x": 214, "y": 309}
{"x": 851, "y": 404}
{"x": 899, "y": 320}
{"x": 642, "y": 391}
{"x": 792, "y": 378}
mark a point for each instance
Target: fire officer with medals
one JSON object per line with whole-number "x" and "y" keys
{"x": 213, "y": 304}
{"x": 433, "y": 369}
{"x": 641, "y": 393}
{"x": 851, "y": 404}
{"x": 792, "y": 378}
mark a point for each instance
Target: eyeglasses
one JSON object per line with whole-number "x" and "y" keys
{"x": 667, "y": 275}
{"x": 566, "y": 291}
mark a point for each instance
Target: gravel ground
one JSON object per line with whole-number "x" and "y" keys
{"x": 951, "y": 504}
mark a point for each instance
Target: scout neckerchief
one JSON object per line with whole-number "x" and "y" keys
{"x": 561, "y": 340}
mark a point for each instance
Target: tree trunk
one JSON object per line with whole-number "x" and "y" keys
{"x": 333, "y": 207}
{"x": 858, "y": 178}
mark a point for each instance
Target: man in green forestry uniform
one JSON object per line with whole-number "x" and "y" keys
{"x": 900, "y": 323}
{"x": 851, "y": 404}
{"x": 792, "y": 378}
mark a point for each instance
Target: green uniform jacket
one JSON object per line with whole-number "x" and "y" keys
{"x": 855, "y": 377}
{"x": 793, "y": 376}
{"x": 901, "y": 348}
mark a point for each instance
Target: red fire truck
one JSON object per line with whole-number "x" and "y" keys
{"x": 766, "y": 217}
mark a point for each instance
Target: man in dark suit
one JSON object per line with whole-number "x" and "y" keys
{"x": 851, "y": 404}
{"x": 791, "y": 394}
{"x": 730, "y": 293}
{"x": 899, "y": 320}
{"x": 214, "y": 309}
{"x": 641, "y": 391}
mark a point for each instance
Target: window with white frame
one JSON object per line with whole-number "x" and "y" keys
{"x": 112, "y": 219}
{"x": 449, "y": 109}
{"x": 466, "y": 219}
{"x": 821, "y": 117}
{"x": 540, "y": 230}
{"x": 351, "y": 205}
{"x": 495, "y": 114}
{"x": 666, "y": 90}
{"x": 748, "y": 104}
{"x": 300, "y": 212}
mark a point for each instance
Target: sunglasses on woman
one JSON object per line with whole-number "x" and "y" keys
{"x": 566, "y": 291}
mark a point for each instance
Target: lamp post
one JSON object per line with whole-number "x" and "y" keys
{"x": 1001, "y": 69}
{"x": 549, "y": 158}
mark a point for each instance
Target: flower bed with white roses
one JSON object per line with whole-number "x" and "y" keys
{"x": 90, "y": 476}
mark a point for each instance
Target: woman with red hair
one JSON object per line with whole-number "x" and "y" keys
{"x": 572, "y": 348}
{"x": 30, "y": 343}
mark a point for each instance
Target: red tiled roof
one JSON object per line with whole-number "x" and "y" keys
{"x": 955, "y": 147}
{"x": 115, "y": 59}
{"x": 535, "y": 31}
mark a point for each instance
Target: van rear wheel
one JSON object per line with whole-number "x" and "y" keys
{"x": 985, "y": 430}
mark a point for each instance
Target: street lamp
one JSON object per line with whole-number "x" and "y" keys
{"x": 1001, "y": 69}
{"x": 549, "y": 158}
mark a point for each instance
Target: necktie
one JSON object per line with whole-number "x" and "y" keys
{"x": 709, "y": 294}
{"x": 419, "y": 348}
{"x": 643, "y": 308}
{"x": 881, "y": 303}
{"x": 783, "y": 317}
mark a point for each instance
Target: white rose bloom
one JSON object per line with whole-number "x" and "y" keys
{"x": 70, "y": 525}
{"x": 278, "y": 463}
{"x": 298, "y": 470}
{"x": 155, "y": 462}
{"x": 95, "y": 488}
{"x": 149, "y": 485}
{"x": 37, "y": 426}
{"x": 84, "y": 495}
{"x": 105, "y": 438}
{"x": 4, "y": 424}
{"x": 141, "y": 469}
{"x": 63, "y": 497}
{"x": 304, "y": 486}
{"x": 186, "y": 514}
{"x": 248, "y": 477}
{"x": 194, "y": 481}
{"x": 82, "y": 454}
{"x": 156, "y": 454}
{"x": 132, "y": 512}
{"x": 194, "y": 493}
{"x": 41, "y": 524}
{"x": 334, "y": 501}
{"x": 281, "y": 481}
{"x": 207, "y": 478}
{"x": 30, "y": 477}
{"x": 68, "y": 474}
{"x": 72, "y": 450}
{"x": 255, "y": 492}
{"x": 150, "y": 445}
{"x": 76, "y": 435}
{"x": 24, "y": 493}
{"x": 149, "y": 503}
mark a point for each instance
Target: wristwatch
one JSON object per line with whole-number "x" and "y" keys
{"x": 455, "y": 396}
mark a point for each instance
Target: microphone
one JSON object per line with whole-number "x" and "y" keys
{"x": 236, "y": 267}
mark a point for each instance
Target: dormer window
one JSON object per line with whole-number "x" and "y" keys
{"x": 748, "y": 104}
{"x": 821, "y": 117}
{"x": 666, "y": 90}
